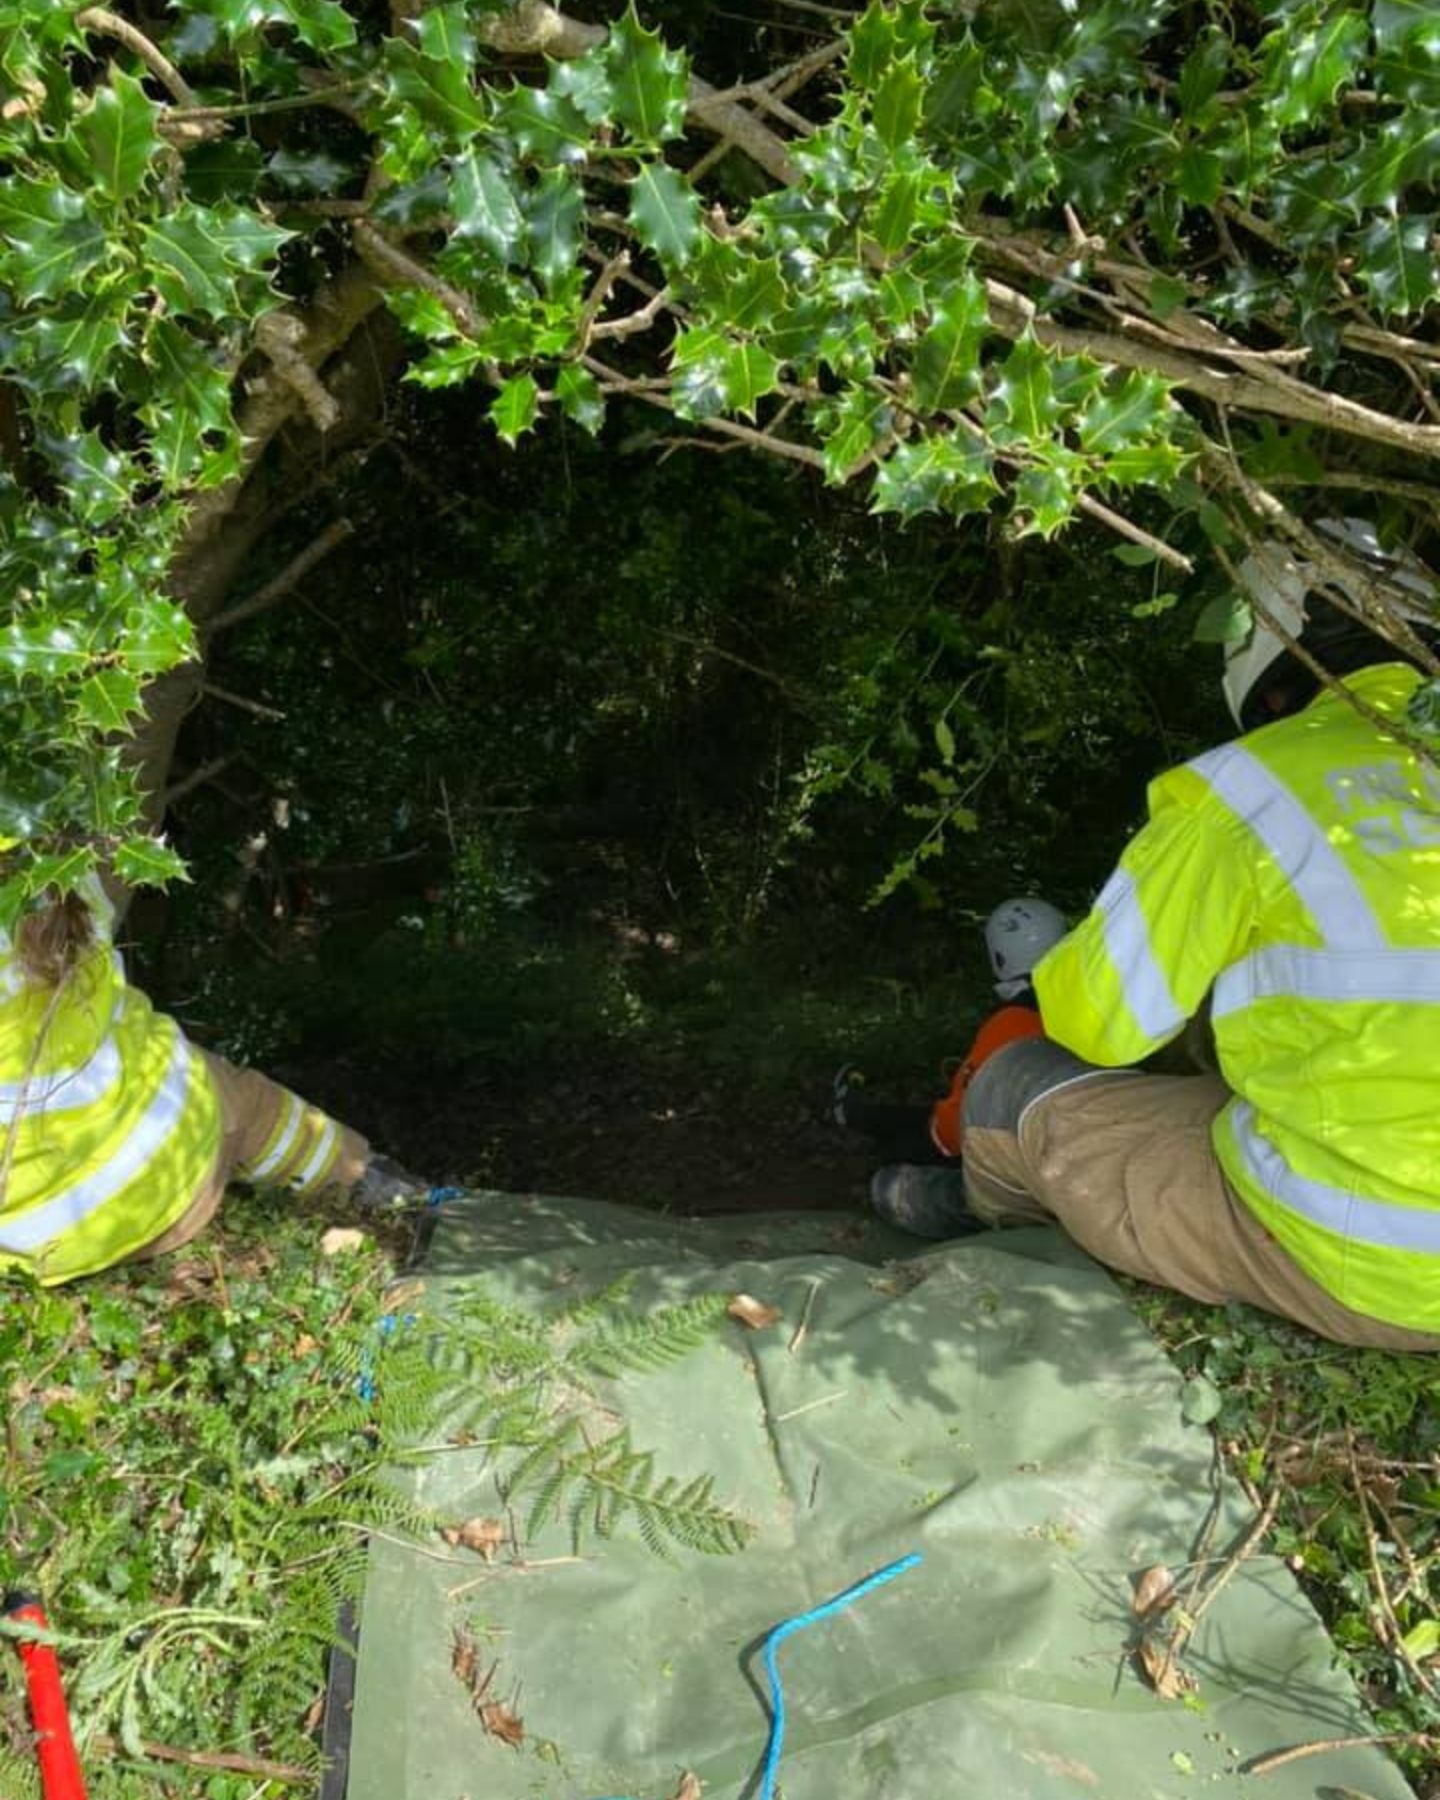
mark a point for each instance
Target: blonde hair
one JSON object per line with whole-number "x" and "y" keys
{"x": 52, "y": 940}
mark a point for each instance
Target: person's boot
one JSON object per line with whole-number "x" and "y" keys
{"x": 927, "y": 1202}
{"x": 387, "y": 1187}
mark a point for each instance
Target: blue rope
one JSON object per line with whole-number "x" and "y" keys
{"x": 788, "y": 1628}
{"x": 799, "y": 1623}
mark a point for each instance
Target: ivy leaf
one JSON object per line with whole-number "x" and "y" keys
{"x": 1023, "y": 407}
{"x": 665, "y": 211}
{"x": 108, "y": 700}
{"x": 514, "y": 408}
{"x": 485, "y": 207}
{"x": 148, "y": 862}
{"x": 1398, "y": 264}
{"x": 945, "y": 370}
{"x": 552, "y": 218}
{"x": 649, "y": 84}
{"x": 580, "y": 398}
{"x": 1226, "y": 619}
{"x": 119, "y": 135}
{"x": 896, "y": 108}
{"x": 1125, "y": 414}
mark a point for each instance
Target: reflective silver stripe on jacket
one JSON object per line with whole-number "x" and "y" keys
{"x": 280, "y": 1149}
{"x": 63, "y": 1090}
{"x": 1127, "y": 938}
{"x": 1291, "y": 972}
{"x": 1308, "y": 860}
{"x": 324, "y": 1149}
{"x": 1350, "y": 1215}
{"x": 30, "y": 1230}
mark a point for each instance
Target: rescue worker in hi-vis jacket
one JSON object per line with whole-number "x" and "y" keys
{"x": 1291, "y": 877}
{"x": 118, "y": 1136}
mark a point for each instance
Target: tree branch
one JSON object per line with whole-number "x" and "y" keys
{"x": 395, "y": 267}
{"x": 279, "y": 336}
{"x": 108, "y": 24}
{"x": 281, "y": 585}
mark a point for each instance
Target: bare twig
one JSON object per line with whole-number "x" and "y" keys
{"x": 197, "y": 778}
{"x": 599, "y": 294}
{"x": 1277, "y": 1759}
{"x": 242, "y": 701}
{"x": 1137, "y": 534}
{"x": 803, "y": 1327}
{"x": 281, "y": 585}
{"x": 105, "y": 23}
{"x": 640, "y": 320}
{"x": 263, "y": 1768}
{"x": 392, "y": 265}
{"x": 281, "y": 335}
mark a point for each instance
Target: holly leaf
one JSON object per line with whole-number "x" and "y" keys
{"x": 750, "y": 374}
{"x": 1127, "y": 413}
{"x": 945, "y": 370}
{"x": 108, "y": 700}
{"x": 446, "y": 36}
{"x": 100, "y": 481}
{"x": 895, "y": 213}
{"x": 698, "y": 362}
{"x": 53, "y": 240}
{"x": 42, "y": 647}
{"x": 513, "y": 410}
{"x": 438, "y": 92}
{"x": 649, "y": 84}
{"x": 118, "y": 133}
{"x": 156, "y": 635}
{"x": 853, "y": 426}
{"x": 580, "y": 398}
{"x": 585, "y": 82}
{"x": 190, "y": 421}
{"x": 1397, "y": 262}
{"x": 308, "y": 171}
{"x": 1308, "y": 65}
{"x": 926, "y": 474}
{"x": 896, "y": 107}
{"x": 1023, "y": 406}
{"x": 484, "y": 205}
{"x": 71, "y": 348}
{"x": 194, "y": 253}
{"x": 552, "y": 220}
{"x": 148, "y": 862}
{"x": 545, "y": 127}
{"x": 1198, "y": 175}
{"x": 665, "y": 211}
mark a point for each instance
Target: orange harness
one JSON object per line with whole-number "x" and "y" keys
{"x": 1011, "y": 1025}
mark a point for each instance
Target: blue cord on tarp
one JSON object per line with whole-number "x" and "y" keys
{"x": 787, "y": 1628}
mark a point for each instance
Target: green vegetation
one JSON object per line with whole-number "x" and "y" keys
{"x": 669, "y": 517}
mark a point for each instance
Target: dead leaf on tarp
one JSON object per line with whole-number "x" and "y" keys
{"x": 691, "y": 1787}
{"x": 752, "y": 1312}
{"x": 1162, "y": 1670}
{"x": 1154, "y": 1591}
{"x": 465, "y": 1656}
{"x": 501, "y": 1723}
{"x": 340, "y": 1238}
{"x": 484, "y": 1535}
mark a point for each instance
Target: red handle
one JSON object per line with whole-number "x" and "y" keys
{"x": 60, "y": 1776}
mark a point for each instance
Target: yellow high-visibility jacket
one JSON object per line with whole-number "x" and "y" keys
{"x": 1297, "y": 871}
{"x": 109, "y": 1121}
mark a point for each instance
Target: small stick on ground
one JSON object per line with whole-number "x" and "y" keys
{"x": 233, "y": 1761}
{"x": 1277, "y": 1759}
{"x": 800, "y": 1330}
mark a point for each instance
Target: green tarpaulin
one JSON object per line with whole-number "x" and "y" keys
{"x": 993, "y": 1404}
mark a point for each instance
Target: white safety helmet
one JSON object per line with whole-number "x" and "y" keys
{"x": 1282, "y": 581}
{"x": 1017, "y": 935}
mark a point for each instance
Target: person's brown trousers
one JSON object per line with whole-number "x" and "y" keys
{"x": 1125, "y": 1163}
{"x": 269, "y": 1136}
